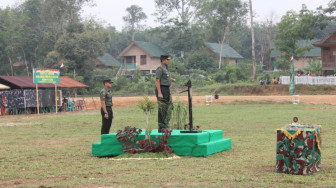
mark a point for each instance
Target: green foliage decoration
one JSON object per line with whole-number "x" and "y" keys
{"x": 179, "y": 114}
{"x": 147, "y": 107}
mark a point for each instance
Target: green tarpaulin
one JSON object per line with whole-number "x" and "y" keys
{"x": 185, "y": 144}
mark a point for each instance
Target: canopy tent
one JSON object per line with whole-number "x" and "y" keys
{"x": 3, "y": 87}
{"x": 26, "y": 82}
{"x": 67, "y": 82}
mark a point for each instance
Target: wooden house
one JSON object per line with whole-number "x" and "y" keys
{"x": 328, "y": 51}
{"x": 141, "y": 55}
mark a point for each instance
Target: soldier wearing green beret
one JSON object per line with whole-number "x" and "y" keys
{"x": 106, "y": 106}
{"x": 162, "y": 91}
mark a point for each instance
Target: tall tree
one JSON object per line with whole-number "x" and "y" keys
{"x": 6, "y": 49}
{"x": 179, "y": 16}
{"x": 221, "y": 15}
{"x": 180, "y": 10}
{"x": 34, "y": 26}
{"x": 253, "y": 42}
{"x": 133, "y": 18}
{"x": 119, "y": 40}
{"x": 294, "y": 27}
{"x": 264, "y": 36}
{"x": 78, "y": 48}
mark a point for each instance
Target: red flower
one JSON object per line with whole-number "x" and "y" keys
{"x": 197, "y": 127}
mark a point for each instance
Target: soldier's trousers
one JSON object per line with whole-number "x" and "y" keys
{"x": 165, "y": 106}
{"x": 106, "y": 123}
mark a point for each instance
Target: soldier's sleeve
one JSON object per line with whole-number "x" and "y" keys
{"x": 102, "y": 95}
{"x": 158, "y": 72}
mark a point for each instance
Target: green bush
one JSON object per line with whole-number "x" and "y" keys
{"x": 315, "y": 67}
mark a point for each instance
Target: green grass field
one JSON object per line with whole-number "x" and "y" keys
{"x": 55, "y": 150}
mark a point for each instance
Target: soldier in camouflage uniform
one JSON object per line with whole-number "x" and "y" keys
{"x": 162, "y": 91}
{"x": 106, "y": 107}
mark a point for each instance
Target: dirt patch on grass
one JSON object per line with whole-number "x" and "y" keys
{"x": 94, "y": 103}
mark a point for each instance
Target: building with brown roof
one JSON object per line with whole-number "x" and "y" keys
{"x": 328, "y": 54}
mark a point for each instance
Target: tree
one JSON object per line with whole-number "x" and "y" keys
{"x": 253, "y": 42}
{"x": 34, "y": 26}
{"x": 134, "y": 17}
{"x": 183, "y": 11}
{"x": 6, "y": 49}
{"x": 179, "y": 16}
{"x": 147, "y": 106}
{"x": 78, "y": 48}
{"x": 264, "y": 35}
{"x": 315, "y": 67}
{"x": 119, "y": 41}
{"x": 201, "y": 60}
{"x": 294, "y": 27}
{"x": 221, "y": 15}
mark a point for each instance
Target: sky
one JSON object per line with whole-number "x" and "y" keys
{"x": 110, "y": 12}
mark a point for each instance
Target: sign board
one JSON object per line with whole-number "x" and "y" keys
{"x": 46, "y": 76}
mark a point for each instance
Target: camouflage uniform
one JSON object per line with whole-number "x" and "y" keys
{"x": 106, "y": 95}
{"x": 298, "y": 149}
{"x": 165, "y": 104}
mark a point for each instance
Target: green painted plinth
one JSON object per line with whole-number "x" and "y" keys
{"x": 203, "y": 144}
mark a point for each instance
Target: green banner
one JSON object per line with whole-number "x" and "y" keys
{"x": 46, "y": 76}
{"x": 292, "y": 82}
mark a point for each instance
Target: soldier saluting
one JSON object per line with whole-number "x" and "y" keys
{"x": 162, "y": 91}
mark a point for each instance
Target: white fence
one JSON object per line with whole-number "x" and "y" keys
{"x": 309, "y": 80}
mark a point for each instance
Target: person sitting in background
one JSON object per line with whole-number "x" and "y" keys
{"x": 262, "y": 81}
{"x": 216, "y": 95}
{"x": 70, "y": 101}
{"x": 275, "y": 81}
{"x": 65, "y": 104}
{"x": 268, "y": 81}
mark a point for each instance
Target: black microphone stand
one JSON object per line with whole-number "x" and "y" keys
{"x": 191, "y": 130}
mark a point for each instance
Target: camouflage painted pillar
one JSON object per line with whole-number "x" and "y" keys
{"x": 292, "y": 76}
{"x": 298, "y": 149}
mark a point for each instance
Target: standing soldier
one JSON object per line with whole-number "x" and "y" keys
{"x": 162, "y": 91}
{"x": 106, "y": 106}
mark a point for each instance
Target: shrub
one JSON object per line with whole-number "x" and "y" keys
{"x": 201, "y": 60}
{"x": 127, "y": 137}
